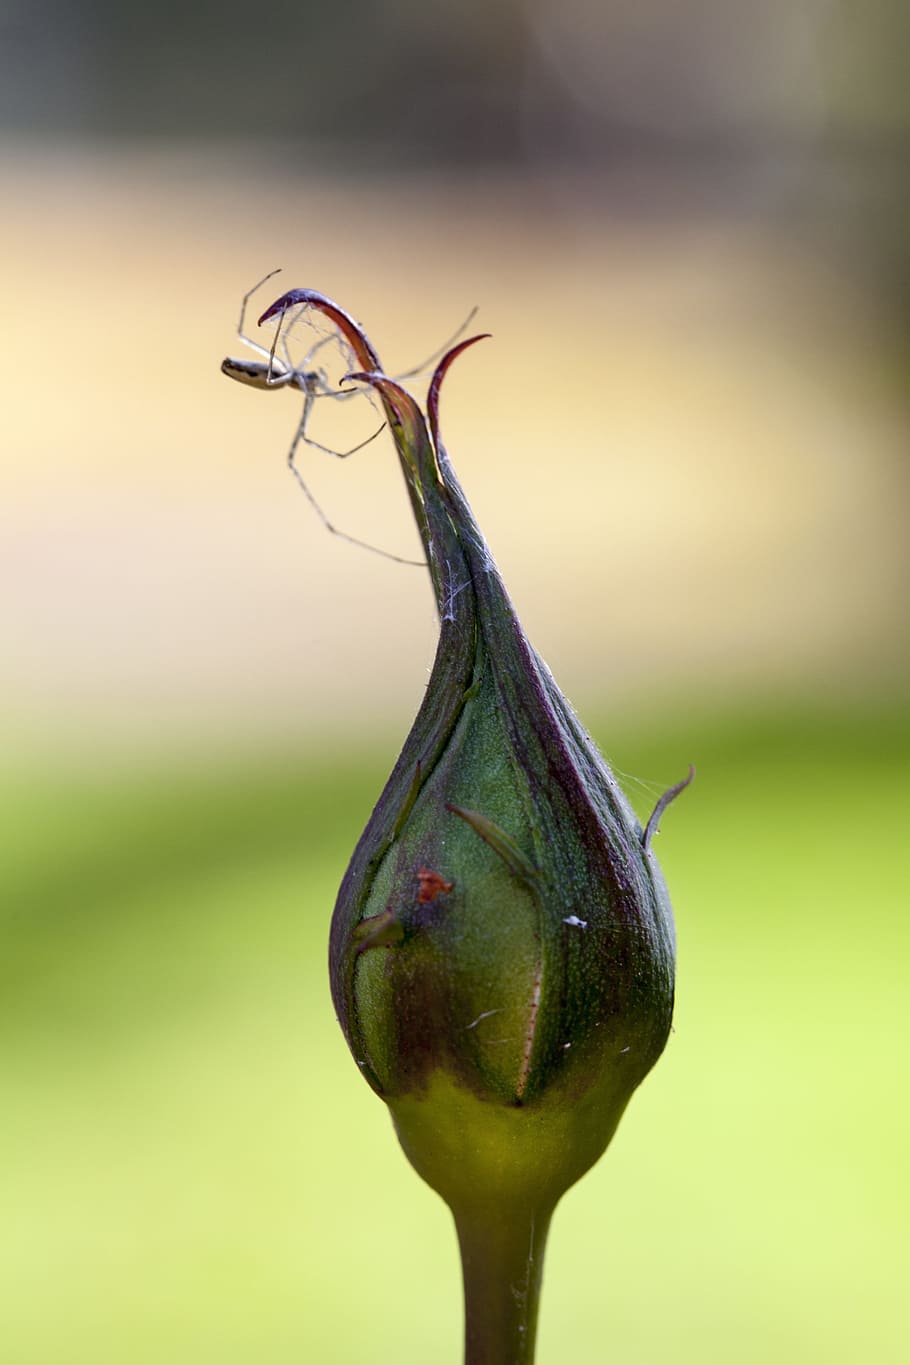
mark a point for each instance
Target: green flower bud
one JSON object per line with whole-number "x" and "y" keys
{"x": 502, "y": 947}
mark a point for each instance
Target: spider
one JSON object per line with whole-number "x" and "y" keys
{"x": 277, "y": 370}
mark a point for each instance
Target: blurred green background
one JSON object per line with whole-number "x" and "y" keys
{"x": 687, "y": 440}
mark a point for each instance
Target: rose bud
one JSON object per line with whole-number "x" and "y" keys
{"x": 502, "y": 947}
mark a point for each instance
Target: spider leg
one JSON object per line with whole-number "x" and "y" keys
{"x": 310, "y": 397}
{"x": 248, "y": 340}
{"x": 269, "y": 379}
{"x": 316, "y": 381}
{"x": 438, "y": 354}
{"x": 300, "y": 435}
{"x": 314, "y": 385}
{"x": 339, "y": 454}
{"x": 283, "y": 332}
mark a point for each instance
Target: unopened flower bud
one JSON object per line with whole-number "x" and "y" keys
{"x": 502, "y": 947}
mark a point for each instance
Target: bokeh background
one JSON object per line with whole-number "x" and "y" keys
{"x": 686, "y": 228}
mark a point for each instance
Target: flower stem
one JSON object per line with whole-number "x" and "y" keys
{"x": 502, "y": 1250}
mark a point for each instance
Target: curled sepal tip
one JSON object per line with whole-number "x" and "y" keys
{"x": 439, "y": 375}
{"x": 669, "y": 795}
{"x": 400, "y": 406}
{"x": 349, "y": 328}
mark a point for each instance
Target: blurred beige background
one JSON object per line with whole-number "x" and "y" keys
{"x": 686, "y": 441}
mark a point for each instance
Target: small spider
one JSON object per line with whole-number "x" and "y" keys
{"x": 277, "y": 370}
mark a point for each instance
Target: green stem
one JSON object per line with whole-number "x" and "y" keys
{"x": 502, "y": 1251}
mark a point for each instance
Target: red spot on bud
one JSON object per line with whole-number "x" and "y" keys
{"x": 431, "y": 885}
